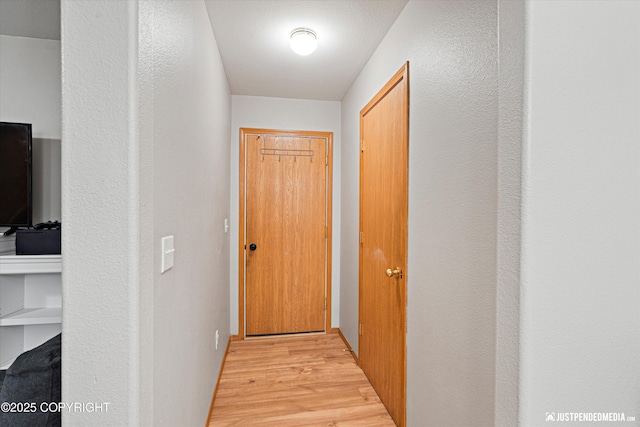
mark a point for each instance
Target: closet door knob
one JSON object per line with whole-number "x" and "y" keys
{"x": 253, "y": 246}
{"x": 397, "y": 271}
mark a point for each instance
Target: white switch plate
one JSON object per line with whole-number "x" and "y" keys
{"x": 167, "y": 253}
{"x": 226, "y": 225}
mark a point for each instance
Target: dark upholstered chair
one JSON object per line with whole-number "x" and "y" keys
{"x": 35, "y": 378}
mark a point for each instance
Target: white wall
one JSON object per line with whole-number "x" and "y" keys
{"x": 146, "y": 125}
{"x": 510, "y": 112}
{"x": 30, "y": 93}
{"x": 100, "y": 211}
{"x": 191, "y": 131}
{"x": 453, "y": 72}
{"x": 30, "y": 84}
{"x": 284, "y": 114}
{"x": 581, "y": 211}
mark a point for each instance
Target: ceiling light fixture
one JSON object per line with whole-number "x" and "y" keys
{"x": 303, "y": 41}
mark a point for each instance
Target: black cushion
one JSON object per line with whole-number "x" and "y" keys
{"x": 35, "y": 378}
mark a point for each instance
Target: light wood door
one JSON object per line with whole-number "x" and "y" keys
{"x": 383, "y": 246}
{"x": 286, "y": 191}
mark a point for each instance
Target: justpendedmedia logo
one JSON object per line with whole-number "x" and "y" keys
{"x": 588, "y": 417}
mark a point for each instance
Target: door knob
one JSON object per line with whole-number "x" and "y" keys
{"x": 397, "y": 271}
{"x": 253, "y": 246}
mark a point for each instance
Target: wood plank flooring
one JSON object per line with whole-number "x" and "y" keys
{"x": 295, "y": 381}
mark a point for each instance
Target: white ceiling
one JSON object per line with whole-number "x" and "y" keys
{"x": 253, "y": 38}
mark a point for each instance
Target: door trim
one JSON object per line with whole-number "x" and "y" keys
{"x": 401, "y": 74}
{"x": 241, "y": 216}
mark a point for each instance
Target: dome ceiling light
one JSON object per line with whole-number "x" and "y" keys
{"x": 303, "y": 41}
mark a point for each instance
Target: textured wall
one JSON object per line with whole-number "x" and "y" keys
{"x": 510, "y": 109}
{"x": 146, "y": 128}
{"x": 452, "y": 49}
{"x": 191, "y": 119}
{"x": 191, "y": 106}
{"x": 100, "y": 277}
{"x": 285, "y": 114}
{"x": 581, "y": 210}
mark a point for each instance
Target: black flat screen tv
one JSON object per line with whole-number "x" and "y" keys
{"x": 15, "y": 175}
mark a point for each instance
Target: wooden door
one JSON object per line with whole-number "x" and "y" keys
{"x": 383, "y": 242}
{"x": 286, "y": 190}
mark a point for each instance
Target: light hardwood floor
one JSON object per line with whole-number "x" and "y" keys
{"x": 295, "y": 381}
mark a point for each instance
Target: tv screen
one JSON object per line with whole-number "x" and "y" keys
{"x": 15, "y": 175}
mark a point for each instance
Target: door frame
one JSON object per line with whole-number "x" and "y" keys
{"x": 241, "y": 218}
{"x": 400, "y": 75}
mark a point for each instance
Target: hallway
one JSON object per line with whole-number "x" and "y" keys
{"x": 295, "y": 381}
{"x": 523, "y": 213}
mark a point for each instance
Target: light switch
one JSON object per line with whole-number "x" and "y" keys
{"x": 167, "y": 253}
{"x": 226, "y": 225}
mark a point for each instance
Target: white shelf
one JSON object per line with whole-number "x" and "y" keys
{"x": 34, "y": 282}
{"x": 33, "y": 316}
{"x": 30, "y": 264}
